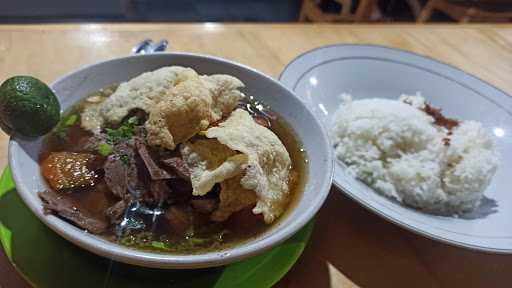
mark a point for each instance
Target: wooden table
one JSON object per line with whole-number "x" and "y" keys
{"x": 350, "y": 246}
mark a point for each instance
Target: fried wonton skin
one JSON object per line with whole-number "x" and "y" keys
{"x": 180, "y": 116}
{"x": 180, "y": 103}
{"x": 210, "y": 162}
{"x": 233, "y": 198}
{"x": 191, "y": 106}
{"x": 141, "y": 92}
{"x": 264, "y": 172}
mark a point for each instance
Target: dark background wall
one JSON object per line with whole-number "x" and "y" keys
{"x": 33, "y": 11}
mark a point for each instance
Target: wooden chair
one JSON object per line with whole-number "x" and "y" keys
{"x": 465, "y": 11}
{"x": 311, "y": 11}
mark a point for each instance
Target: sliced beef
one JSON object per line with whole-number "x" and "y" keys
{"x": 181, "y": 190}
{"x": 116, "y": 176}
{"x": 159, "y": 190}
{"x": 121, "y": 173}
{"x": 64, "y": 206}
{"x": 205, "y": 205}
{"x": 179, "y": 218}
{"x": 154, "y": 170}
{"x": 125, "y": 151}
{"x": 256, "y": 108}
{"x": 261, "y": 120}
{"x": 116, "y": 212}
{"x": 178, "y": 166}
{"x": 140, "y": 133}
{"x": 90, "y": 144}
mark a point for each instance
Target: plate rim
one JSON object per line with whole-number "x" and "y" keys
{"x": 412, "y": 53}
{"x": 366, "y": 204}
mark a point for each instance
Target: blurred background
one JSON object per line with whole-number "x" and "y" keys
{"x": 55, "y": 11}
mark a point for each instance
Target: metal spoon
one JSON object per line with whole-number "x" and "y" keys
{"x": 142, "y": 46}
{"x": 159, "y": 46}
{"x": 148, "y": 46}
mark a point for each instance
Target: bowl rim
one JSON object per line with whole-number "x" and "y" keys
{"x": 160, "y": 260}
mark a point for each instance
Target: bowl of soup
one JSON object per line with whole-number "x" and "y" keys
{"x": 175, "y": 160}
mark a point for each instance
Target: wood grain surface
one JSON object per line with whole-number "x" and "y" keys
{"x": 350, "y": 246}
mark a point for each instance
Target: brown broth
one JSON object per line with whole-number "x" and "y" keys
{"x": 242, "y": 226}
{"x": 298, "y": 156}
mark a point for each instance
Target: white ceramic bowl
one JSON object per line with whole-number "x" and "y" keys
{"x": 72, "y": 87}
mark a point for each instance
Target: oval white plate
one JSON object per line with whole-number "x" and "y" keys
{"x": 319, "y": 76}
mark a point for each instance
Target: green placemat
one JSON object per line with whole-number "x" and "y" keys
{"x": 47, "y": 260}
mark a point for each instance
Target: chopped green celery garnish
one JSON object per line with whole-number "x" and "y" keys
{"x": 70, "y": 120}
{"x": 159, "y": 245}
{"x": 133, "y": 120}
{"x": 62, "y": 128}
{"x": 126, "y": 130}
{"x": 125, "y": 159}
{"x": 105, "y": 149}
{"x": 197, "y": 241}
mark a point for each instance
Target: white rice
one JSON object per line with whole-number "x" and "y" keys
{"x": 396, "y": 148}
